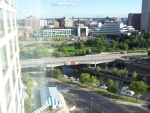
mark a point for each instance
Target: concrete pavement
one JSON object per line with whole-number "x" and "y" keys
{"x": 65, "y": 108}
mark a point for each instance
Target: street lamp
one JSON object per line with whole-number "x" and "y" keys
{"x": 91, "y": 104}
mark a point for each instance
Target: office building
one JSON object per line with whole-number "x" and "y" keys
{"x": 81, "y": 30}
{"x": 56, "y": 24}
{"x": 145, "y": 16}
{"x": 33, "y": 22}
{"x": 11, "y": 98}
{"x": 134, "y": 19}
{"x": 47, "y": 33}
{"x": 109, "y": 28}
{"x": 69, "y": 23}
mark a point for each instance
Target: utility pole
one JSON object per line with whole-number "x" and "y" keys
{"x": 91, "y": 105}
{"x": 81, "y": 110}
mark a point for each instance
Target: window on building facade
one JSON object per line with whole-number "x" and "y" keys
{"x": 3, "y": 59}
{"x": 8, "y": 21}
{"x": 1, "y": 24}
{"x": 11, "y": 49}
{"x": 7, "y": 1}
{"x": 15, "y": 43}
{"x": 7, "y": 93}
{"x": 12, "y": 3}
{"x": 13, "y": 21}
{"x": 13, "y": 76}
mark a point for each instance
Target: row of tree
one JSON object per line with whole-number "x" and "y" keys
{"x": 139, "y": 87}
{"x": 34, "y": 51}
{"x": 88, "y": 80}
{"x": 28, "y": 102}
{"x": 53, "y": 73}
{"x": 120, "y": 73}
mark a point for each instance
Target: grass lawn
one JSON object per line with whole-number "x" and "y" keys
{"x": 115, "y": 96}
{"x": 71, "y": 48}
{"x": 103, "y": 92}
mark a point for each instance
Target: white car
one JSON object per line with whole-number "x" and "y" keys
{"x": 65, "y": 76}
{"x": 72, "y": 78}
{"x": 125, "y": 91}
{"x": 103, "y": 87}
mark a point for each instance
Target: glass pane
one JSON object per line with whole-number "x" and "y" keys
{"x": 11, "y": 51}
{"x": 7, "y": 1}
{"x": 7, "y": 93}
{"x": 13, "y": 21}
{"x": 3, "y": 59}
{"x": 13, "y": 77}
{"x": 8, "y": 21}
{"x": 1, "y": 25}
{"x": 12, "y": 3}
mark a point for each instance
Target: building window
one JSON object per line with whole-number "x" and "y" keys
{"x": 13, "y": 77}
{"x": 15, "y": 43}
{"x": 7, "y": 1}
{"x": 12, "y": 3}
{"x": 3, "y": 59}
{"x": 1, "y": 24}
{"x": 8, "y": 21}
{"x": 13, "y": 21}
{"x": 11, "y": 49}
{"x": 7, "y": 93}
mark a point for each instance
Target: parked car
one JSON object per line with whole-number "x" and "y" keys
{"x": 103, "y": 87}
{"x": 65, "y": 76}
{"x": 72, "y": 78}
{"x": 127, "y": 92}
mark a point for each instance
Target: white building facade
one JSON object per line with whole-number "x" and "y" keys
{"x": 11, "y": 98}
{"x": 109, "y": 28}
{"x": 56, "y": 32}
{"x": 33, "y": 22}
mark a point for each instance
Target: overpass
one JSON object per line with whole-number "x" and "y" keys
{"x": 88, "y": 59}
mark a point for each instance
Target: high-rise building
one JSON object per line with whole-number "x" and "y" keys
{"x": 134, "y": 19}
{"x": 33, "y": 22}
{"x": 11, "y": 98}
{"x": 145, "y": 17}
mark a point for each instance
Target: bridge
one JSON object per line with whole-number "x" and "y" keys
{"x": 88, "y": 59}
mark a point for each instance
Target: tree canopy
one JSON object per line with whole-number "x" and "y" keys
{"x": 112, "y": 86}
{"x": 138, "y": 87}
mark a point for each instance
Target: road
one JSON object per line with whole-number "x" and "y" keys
{"x": 98, "y": 58}
{"x": 86, "y": 102}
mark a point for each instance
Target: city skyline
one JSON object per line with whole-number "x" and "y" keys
{"x": 76, "y": 8}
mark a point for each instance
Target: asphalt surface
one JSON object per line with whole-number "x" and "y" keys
{"x": 87, "y": 102}
{"x": 87, "y": 59}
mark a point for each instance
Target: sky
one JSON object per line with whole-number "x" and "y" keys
{"x": 77, "y": 8}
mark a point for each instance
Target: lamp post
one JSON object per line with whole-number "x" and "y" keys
{"x": 91, "y": 104}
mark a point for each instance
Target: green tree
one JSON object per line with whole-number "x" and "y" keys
{"x": 94, "y": 81}
{"x": 84, "y": 79}
{"x": 106, "y": 69}
{"x": 114, "y": 71}
{"x": 57, "y": 72}
{"x": 138, "y": 87}
{"x": 125, "y": 72}
{"x": 25, "y": 78}
{"x": 112, "y": 86}
{"x": 28, "y": 105}
{"x": 134, "y": 75}
{"x": 30, "y": 88}
{"x": 98, "y": 68}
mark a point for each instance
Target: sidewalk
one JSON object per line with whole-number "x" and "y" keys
{"x": 65, "y": 107}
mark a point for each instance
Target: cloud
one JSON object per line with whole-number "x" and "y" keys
{"x": 65, "y": 2}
